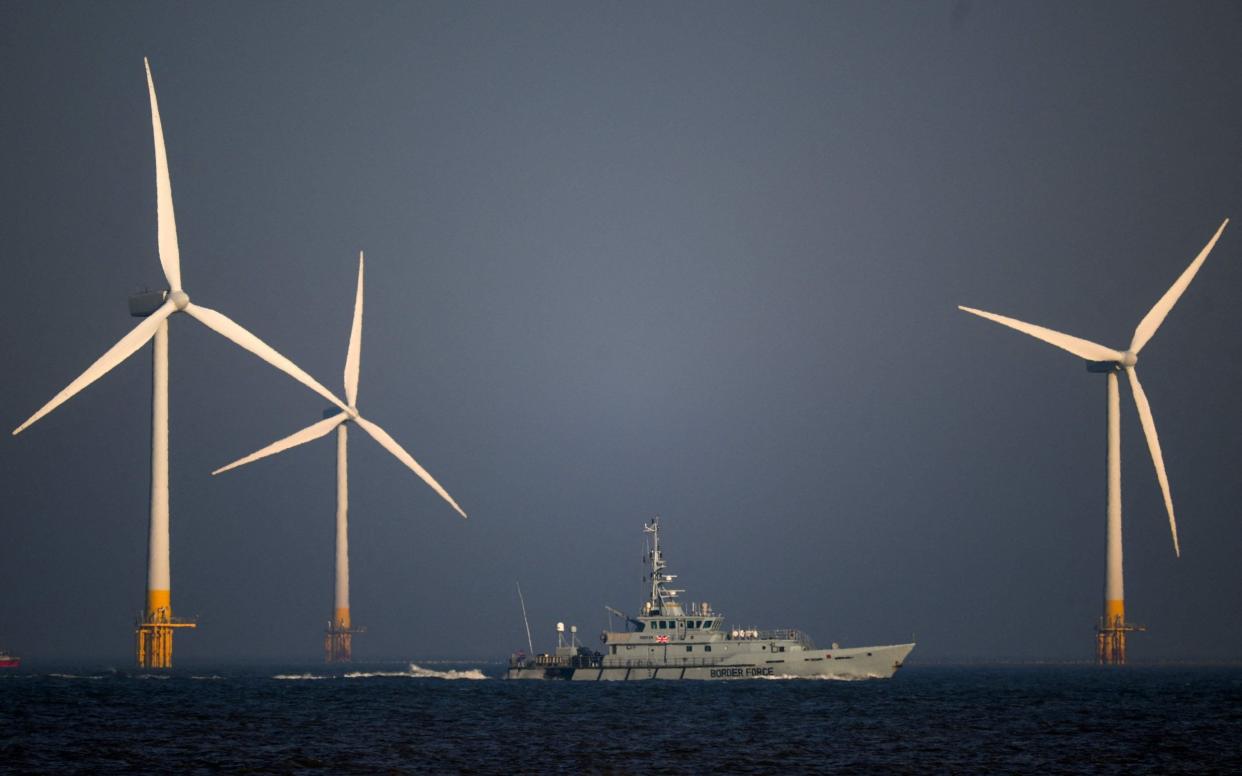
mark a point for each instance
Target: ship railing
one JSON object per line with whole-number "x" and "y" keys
{"x": 680, "y": 662}
{"x": 554, "y": 661}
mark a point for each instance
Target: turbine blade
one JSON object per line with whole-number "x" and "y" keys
{"x": 170, "y": 254}
{"x": 308, "y": 434}
{"x": 122, "y": 350}
{"x": 1079, "y": 347}
{"x": 223, "y": 325}
{"x": 353, "y": 357}
{"x": 390, "y": 444}
{"x": 1147, "y": 327}
{"x": 1153, "y": 444}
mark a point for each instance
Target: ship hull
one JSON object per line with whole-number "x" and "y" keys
{"x": 853, "y": 663}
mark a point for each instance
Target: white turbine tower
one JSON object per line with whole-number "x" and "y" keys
{"x": 1110, "y": 638}
{"x": 156, "y": 628}
{"x": 338, "y": 644}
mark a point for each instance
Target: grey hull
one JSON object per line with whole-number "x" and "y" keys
{"x": 854, "y": 663}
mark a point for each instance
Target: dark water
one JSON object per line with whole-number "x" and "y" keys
{"x": 393, "y": 719}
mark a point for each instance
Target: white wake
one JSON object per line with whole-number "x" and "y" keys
{"x": 415, "y": 671}
{"x": 824, "y": 677}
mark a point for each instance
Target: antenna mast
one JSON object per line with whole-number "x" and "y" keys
{"x": 529, "y": 645}
{"x": 663, "y": 600}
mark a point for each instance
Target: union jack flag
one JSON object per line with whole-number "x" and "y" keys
{"x": 661, "y": 639}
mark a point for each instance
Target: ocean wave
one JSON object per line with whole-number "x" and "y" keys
{"x": 74, "y": 676}
{"x": 301, "y": 677}
{"x": 472, "y": 673}
{"x": 416, "y": 671}
{"x": 824, "y": 677}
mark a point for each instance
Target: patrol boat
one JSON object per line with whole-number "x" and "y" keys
{"x": 666, "y": 641}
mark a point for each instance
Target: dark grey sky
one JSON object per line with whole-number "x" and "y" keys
{"x": 698, "y": 260}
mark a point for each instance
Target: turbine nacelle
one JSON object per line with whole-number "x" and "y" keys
{"x": 1103, "y": 367}
{"x": 146, "y": 302}
{"x": 1126, "y": 360}
{"x": 350, "y": 413}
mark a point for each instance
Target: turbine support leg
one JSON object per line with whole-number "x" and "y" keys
{"x": 1111, "y": 630}
{"x": 1110, "y": 636}
{"x": 338, "y": 639}
{"x": 154, "y": 631}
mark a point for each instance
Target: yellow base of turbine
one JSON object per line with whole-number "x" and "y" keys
{"x": 1110, "y": 634}
{"x": 338, "y": 639}
{"x": 154, "y": 632}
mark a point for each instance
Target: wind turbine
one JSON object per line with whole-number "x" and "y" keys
{"x": 338, "y": 641}
{"x": 1112, "y": 628}
{"x": 155, "y": 629}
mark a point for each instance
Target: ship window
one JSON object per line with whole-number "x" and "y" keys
{"x": 640, "y": 627}
{"x": 614, "y": 649}
{"x": 693, "y": 623}
{"x": 707, "y": 623}
{"x": 707, "y": 647}
{"x": 689, "y": 648}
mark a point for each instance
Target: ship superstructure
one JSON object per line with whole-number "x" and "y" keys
{"x": 668, "y": 641}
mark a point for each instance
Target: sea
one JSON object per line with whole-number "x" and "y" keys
{"x": 463, "y": 718}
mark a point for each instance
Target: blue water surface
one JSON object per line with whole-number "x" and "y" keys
{"x": 442, "y": 719}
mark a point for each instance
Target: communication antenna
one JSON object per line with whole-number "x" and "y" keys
{"x": 529, "y": 645}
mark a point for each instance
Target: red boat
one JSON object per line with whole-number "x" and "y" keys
{"x": 8, "y": 661}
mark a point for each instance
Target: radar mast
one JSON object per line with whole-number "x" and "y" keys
{"x": 663, "y": 599}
